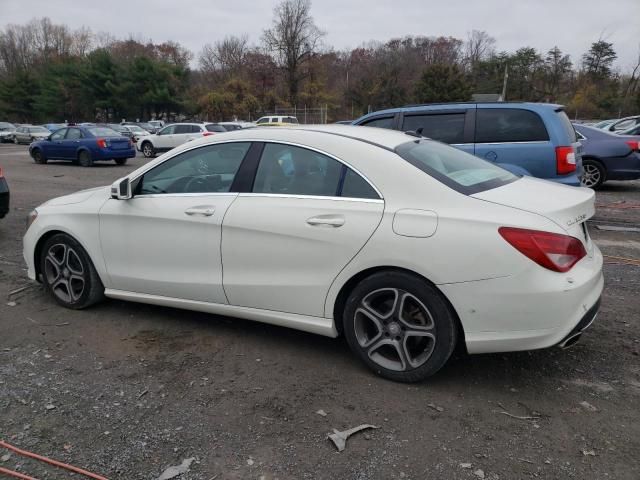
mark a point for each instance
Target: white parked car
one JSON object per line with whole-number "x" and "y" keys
{"x": 277, "y": 119}
{"x": 174, "y": 135}
{"x": 406, "y": 246}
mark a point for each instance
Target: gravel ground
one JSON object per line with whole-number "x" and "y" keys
{"x": 127, "y": 390}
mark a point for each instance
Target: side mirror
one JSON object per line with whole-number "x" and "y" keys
{"x": 121, "y": 189}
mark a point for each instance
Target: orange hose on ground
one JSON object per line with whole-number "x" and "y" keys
{"x": 71, "y": 468}
{"x": 14, "y": 474}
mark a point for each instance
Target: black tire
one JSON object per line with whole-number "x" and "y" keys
{"x": 400, "y": 350}
{"x": 39, "y": 157}
{"x": 68, "y": 273}
{"x": 84, "y": 158}
{"x": 120, "y": 161}
{"x": 594, "y": 174}
{"x": 147, "y": 150}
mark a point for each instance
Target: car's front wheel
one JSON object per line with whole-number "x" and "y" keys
{"x": 38, "y": 156}
{"x": 84, "y": 158}
{"x": 68, "y": 273}
{"x": 400, "y": 326}
{"x": 148, "y": 150}
{"x": 593, "y": 175}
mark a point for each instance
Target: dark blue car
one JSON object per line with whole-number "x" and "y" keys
{"x": 534, "y": 139}
{"x": 607, "y": 156}
{"x": 83, "y": 145}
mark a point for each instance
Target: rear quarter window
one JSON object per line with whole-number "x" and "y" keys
{"x": 505, "y": 125}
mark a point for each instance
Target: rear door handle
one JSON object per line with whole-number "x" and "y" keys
{"x": 334, "y": 221}
{"x": 204, "y": 210}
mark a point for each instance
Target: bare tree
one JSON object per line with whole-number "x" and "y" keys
{"x": 226, "y": 56}
{"x": 293, "y": 38}
{"x": 479, "y": 46}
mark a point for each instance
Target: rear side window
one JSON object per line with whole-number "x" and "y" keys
{"x": 567, "y": 126}
{"x": 211, "y": 127}
{"x": 503, "y": 125}
{"x": 458, "y": 170}
{"x": 447, "y": 127}
{"x": 355, "y": 186}
{"x": 74, "y": 134}
{"x": 381, "y": 122}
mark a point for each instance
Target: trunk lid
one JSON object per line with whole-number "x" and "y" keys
{"x": 118, "y": 143}
{"x": 568, "y": 207}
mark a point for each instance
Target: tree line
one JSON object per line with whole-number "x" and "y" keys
{"x": 50, "y": 72}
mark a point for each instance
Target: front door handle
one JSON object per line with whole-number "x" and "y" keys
{"x": 334, "y": 221}
{"x": 204, "y": 210}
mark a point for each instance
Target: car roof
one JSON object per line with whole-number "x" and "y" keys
{"x": 453, "y": 105}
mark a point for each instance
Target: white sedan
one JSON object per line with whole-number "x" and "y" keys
{"x": 406, "y": 246}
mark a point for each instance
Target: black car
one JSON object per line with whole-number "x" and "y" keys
{"x": 607, "y": 156}
{"x": 4, "y": 195}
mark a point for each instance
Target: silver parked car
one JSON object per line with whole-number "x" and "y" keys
{"x": 29, "y": 133}
{"x": 6, "y": 131}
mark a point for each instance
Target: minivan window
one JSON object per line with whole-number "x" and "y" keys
{"x": 380, "y": 122}
{"x": 461, "y": 171}
{"x": 567, "y": 126}
{"x": 504, "y": 125}
{"x": 445, "y": 127}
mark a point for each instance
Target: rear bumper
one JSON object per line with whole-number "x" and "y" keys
{"x": 111, "y": 154}
{"x": 534, "y": 309}
{"x": 623, "y": 168}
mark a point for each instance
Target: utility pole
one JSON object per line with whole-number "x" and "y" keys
{"x": 504, "y": 84}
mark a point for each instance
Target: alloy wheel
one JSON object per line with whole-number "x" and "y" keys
{"x": 65, "y": 273}
{"x": 591, "y": 175}
{"x": 147, "y": 150}
{"x": 395, "y": 329}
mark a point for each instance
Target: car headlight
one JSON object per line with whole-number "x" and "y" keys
{"x": 33, "y": 214}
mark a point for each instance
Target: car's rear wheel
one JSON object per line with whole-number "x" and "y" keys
{"x": 68, "y": 273}
{"x": 400, "y": 326}
{"x": 148, "y": 150}
{"x": 38, "y": 156}
{"x": 120, "y": 161}
{"x": 84, "y": 158}
{"x": 594, "y": 174}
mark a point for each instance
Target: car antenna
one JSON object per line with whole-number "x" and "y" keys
{"x": 416, "y": 133}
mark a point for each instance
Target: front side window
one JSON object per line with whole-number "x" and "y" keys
{"x": 445, "y": 127}
{"x": 461, "y": 171}
{"x": 59, "y": 135}
{"x": 382, "y": 122}
{"x": 167, "y": 130}
{"x": 74, "y": 134}
{"x": 209, "y": 169}
{"x": 503, "y": 125}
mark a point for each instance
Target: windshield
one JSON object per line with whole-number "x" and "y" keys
{"x": 461, "y": 171}
{"x": 38, "y": 130}
{"x": 103, "y": 132}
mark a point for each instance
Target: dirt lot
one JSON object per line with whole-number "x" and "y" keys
{"x": 127, "y": 390}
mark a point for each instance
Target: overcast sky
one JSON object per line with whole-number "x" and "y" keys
{"x": 571, "y": 24}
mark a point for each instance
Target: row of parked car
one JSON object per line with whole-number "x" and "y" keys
{"x": 532, "y": 139}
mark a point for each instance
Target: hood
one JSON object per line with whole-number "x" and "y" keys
{"x": 77, "y": 197}
{"x": 566, "y": 206}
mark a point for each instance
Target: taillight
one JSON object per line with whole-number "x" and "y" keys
{"x": 565, "y": 160}
{"x": 550, "y": 250}
{"x": 102, "y": 143}
{"x": 634, "y": 144}
{"x": 206, "y": 134}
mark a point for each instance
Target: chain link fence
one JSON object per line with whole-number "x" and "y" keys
{"x": 305, "y": 115}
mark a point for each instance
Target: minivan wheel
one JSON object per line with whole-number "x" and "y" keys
{"x": 594, "y": 174}
{"x": 68, "y": 273}
{"x": 147, "y": 150}
{"x": 84, "y": 158}
{"x": 400, "y": 326}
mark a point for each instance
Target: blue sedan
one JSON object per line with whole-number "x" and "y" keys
{"x": 83, "y": 145}
{"x": 607, "y": 156}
